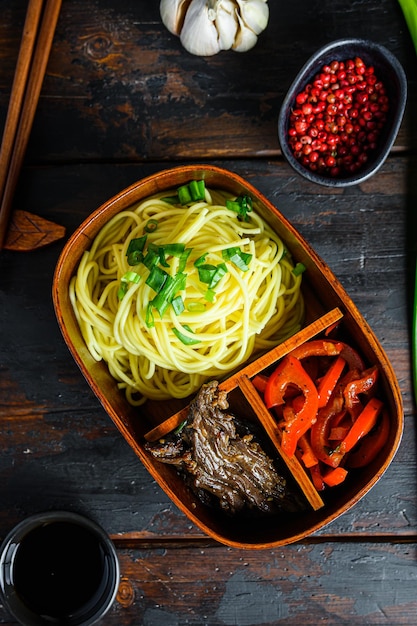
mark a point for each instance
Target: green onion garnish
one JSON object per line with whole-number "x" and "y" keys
{"x": 164, "y": 297}
{"x": 156, "y": 278}
{"x": 196, "y": 307}
{"x": 183, "y": 259}
{"x": 151, "y": 226}
{"x": 211, "y": 274}
{"x": 151, "y": 258}
{"x": 242, "y": 206}
{"x": 193, "y": 191}
{"x": 184, "y": 194}
{"x": 134, "y": 252}
{"x": 201, "y": 260}
{"x": 129, "y": 277}
{"x": 210, "y": 295}
{"x": 178, "y": 305}
{"x": 185, "y": 339}
{"x": 238, "y": 257}
{"x": 299, "y": 269}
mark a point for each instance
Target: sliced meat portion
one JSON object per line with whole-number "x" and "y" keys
{"x": 223, "y": 458}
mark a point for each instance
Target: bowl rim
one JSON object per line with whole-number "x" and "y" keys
{"x": 305, "y": 74}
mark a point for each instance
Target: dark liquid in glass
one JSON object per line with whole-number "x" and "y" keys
{"x": 58, "y": 568}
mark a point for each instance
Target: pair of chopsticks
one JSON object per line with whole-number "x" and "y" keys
{"x": 38, "y": 33}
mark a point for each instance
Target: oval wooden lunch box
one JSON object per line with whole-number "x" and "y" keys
{"x": 326, "y": 304}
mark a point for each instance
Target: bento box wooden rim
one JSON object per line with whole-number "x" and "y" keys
{"x": 127, "y": 197}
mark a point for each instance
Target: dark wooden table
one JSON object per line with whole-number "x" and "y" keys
{"x": 122, "y": 99}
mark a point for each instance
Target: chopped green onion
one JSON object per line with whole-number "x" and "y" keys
{"x": 197, "y": 189}
{"x": 184, "y": 194}
{"x": 162, "y": 257}
{"x": 171, "y": 199}
{"x": 201, "y": 260}
{"x": 211, "y": 274}
{"x": 299, "y": 269}
{"x": 180, "y": 427}
{"x": 221, "y": 270}
{"x": 185, "y": 339}
{"x": 156, "y": 278}
{"x": 183, "y": 259}
{"x": 152, "y": 258}
{"x": 196, "y": 307}
{"x": 149, "y": 319}
{"x": 121, "y": 292}
{"x": 238, "y": 257}
{"x": 242, "y": 206}
{"x": 130, "y": 277}
{"x": 174, "y": 249}
{"x": 210, "y": 295}
{"x": 206, "y": 272}
{"x": 134, "y": 252}
{"x": 178, "y": 305}
{"x": 151, "y": 226}
{"x": 165, "y": 296}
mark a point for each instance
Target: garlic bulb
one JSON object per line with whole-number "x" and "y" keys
{"x": 207, "y": 26}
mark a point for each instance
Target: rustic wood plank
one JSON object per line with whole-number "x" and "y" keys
{"x": 119, "y": 86}
{"x": 207, "y": 584}
{"x": 60, "y": 443}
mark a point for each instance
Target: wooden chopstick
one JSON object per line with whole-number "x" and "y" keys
{"x": 38, "y": 34}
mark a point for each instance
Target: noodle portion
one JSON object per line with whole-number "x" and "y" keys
{"x": 252, "y": 307}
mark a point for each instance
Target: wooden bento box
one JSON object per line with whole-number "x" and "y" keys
{"x": 327, "y": 305}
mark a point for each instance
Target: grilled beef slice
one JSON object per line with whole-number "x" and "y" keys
{"x": 220, "y": 458}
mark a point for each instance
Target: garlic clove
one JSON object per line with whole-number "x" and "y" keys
{"x": 226, "y": 23}
{"x": 245, "y": 38}
{"x": 199, "y": 33}
{"x": 173, "y": 13}
{"x": 255, "y": 14}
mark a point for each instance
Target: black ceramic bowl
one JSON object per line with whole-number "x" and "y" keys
{"x": 387, "y": 69}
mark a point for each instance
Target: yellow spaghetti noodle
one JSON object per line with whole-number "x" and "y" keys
{"x": 219, "y": 328}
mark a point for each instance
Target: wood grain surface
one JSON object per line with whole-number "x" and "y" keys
{"x": 121, "y": 99}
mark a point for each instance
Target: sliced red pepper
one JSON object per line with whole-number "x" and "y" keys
{"x": 316, "y": 477}
{"x": 359, "y": 386}
{"x": 307, "y": 455}
{"x": 329, "y": 381}
{"x": 363, "y": 425}
{"x": 369, "y": 447}
{"x": 329, "y": 347}
{"x": 335, "y": 477}
{"x": 289, "y": 374}
{"x": 318, "y": 347}
{"x": 259, "y": 382}
{"x": 319, "y": 434}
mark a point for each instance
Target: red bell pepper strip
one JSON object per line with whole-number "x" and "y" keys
{"x": 307, "y": 455}
{"x": 318, "y": 347}
{"x": 363, "y": 425}
{"x": 289, "y": 374}
{"x": 369, "y": 447}
{"x": 329, "y": 381}
{"x": 329, "y": 347}
{"x": 359, "y": 386}
{"x": 259, "y": 382}
{"x": 319, "y": 434}
{"x": 335, "y": 476}
{"x": 317, "y": 477}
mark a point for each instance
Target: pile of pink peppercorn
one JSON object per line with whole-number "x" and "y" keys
{"x": 337, "y": 118}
